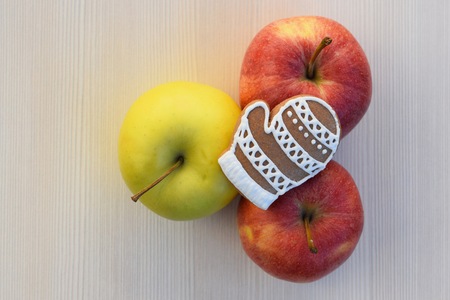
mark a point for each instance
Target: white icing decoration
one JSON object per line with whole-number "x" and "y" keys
{"x": 244, "y": 183}
{"x": 320, "y": 132}
{"x": 243, "y": 138}
{"x": 260, "y": 161}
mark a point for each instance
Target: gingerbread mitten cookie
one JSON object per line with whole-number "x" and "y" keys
{"x": 273, "y": 152}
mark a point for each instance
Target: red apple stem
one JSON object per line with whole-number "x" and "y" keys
{"x": 178, "y": 163}
{"x": 311, "y": 245}
{"x": 325, "y": 42}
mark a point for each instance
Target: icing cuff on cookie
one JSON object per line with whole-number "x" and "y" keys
{"x": 244, "y": 183}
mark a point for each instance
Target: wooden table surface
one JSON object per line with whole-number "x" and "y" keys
{"x": 71, "y": 69}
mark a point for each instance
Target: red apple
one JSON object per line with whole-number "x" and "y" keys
{"x": 309, "y": 231}
{"x": 275, "y": 67}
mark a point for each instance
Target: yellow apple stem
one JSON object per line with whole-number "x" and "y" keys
{"x": 325, "y": 42}
{"x": 178, "y": 163}
{"x": 311, "y": 245}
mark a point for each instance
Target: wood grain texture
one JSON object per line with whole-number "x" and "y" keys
{"x": 71, "y": 69}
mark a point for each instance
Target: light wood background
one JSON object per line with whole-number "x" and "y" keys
{"x": 69, "y": 70}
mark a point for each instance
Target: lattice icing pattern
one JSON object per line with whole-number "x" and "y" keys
{"x": 262, "y": 163}
{"x": 268, "y": 158}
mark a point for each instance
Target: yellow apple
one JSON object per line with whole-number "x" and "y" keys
{"x": 169, "y": 145}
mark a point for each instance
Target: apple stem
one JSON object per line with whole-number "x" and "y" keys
{"x": 311, "y": 245}
{"x": 178, "y": 163}
{"x": 325, "y": 42}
